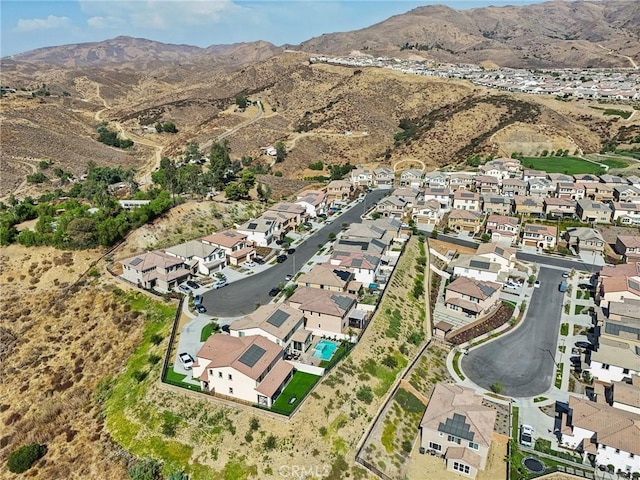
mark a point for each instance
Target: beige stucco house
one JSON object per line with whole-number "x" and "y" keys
{"x": 327, "y": 312}
{"x": 156, "y": 271}
{"x": 541, "y": 236}
{"x": 459, "y": 427}
{"x": 465, "y": 220}
{"x": 472, "y": 297}
{"x": 593, "y": 212}
{"x": 236, "y": 245}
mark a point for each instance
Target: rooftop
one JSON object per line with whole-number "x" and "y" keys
{"x": 473, "y": 288}
{"x": 277, "y": 319}
{"x": 323, "y": 301}
{"x": 228, "y": 238}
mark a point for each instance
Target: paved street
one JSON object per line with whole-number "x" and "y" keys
{"x": 243, "y": 296}
{"x": 523, "y": 361}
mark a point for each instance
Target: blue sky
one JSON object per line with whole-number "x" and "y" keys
{"x": 28, "y": 24}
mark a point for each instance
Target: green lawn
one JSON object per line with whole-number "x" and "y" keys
{"x": 564, "y": 329}
{"x": 566, "y": 165}
{"x": 206, "y": 332}
{"x": 177, "y": 379}
{"x": 579, "y": 309}
{"x": 558, "y": 382}
{"x": 298, "y": 387}
{"x": 614, "y": 163}
{"x": 456, "y": 365}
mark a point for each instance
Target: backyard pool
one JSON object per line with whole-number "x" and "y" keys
{"x": 325, "y": 349}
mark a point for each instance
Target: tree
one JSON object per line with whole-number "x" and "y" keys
{"x": 434, "y": 233}
{"x": 248, "y": 179}
{"x": 22, "y": 459}
{"x": 281, "y": 152}
{"x": 81, "y": 233}
{"x": 375, "y": 215}
{"x": 220, "y": 165}
{"x": 241, "y": 101}
{"x": 191, "y": 152}
{"x": 485, "y": 237}
{"x": 236, "y": 191}
{"x": 496, "y": 387}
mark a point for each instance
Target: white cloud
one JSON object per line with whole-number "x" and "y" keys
{"x": 104, "y": 23}
{"x": 161, "y": 14}
{"x": 33, "y": 24}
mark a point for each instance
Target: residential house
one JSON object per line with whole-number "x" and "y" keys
{"x": 411, "y": 178}
{"x": 541, "y": 236}
{"x": 383, "y": 177}
{"x": 487, "y": 184}
{"x": 441, "y": 194}
{"x": 236, "y": 246}
{"x": 593, "y": 212}
{"x": 457, "y": 425}
{"x": 634, "y": 180}
{"x": 513, "y": 187}
{"x": 496, "y": 253}
{"x": 573, "y": 191}
{"x": 465, "y": 200}
{"x": 339, "y": 190}
{"x": 628, "y": 246}
{"x": 260, "y": 231}
{"x": 393, "y": 206}
{"x": 251, "y": 369}
{"x": 360, "y": 245}
{"x": 586, "y": 179}
{"x": 465, "y": 220}
{"x": 623, "y": 395}
{"x": 461, "y": 181}
{"x": 541, "y": 187}
{"x": 626, "y": 193}
{"x": 210, "y": 259}
{"x": 364, "y": 266}
{"x": 529, "y": 206}
{"x": 503, "y": 229}
{"x": 471, "y": 297}
{"x": 327, "y": 313}
{"x": 531, "y": 174}
{"x": 614, "y": 360}
{"x": 614, "y": 180}
{"x": 477, "y": 268}
{"x": 602, "y": 434}
{"x": 390, "y": 224}
{"x": 132, "y": 204}
{"x": 436, "y": 179}
{"x": 615, "y": 289}
{"x": 314, "y": 201}
{"x": 602, "y": 193}
{"x": 559, "y": 207}
{"x": 427, "y": 212}
{"x": 410, "y": 194}
{"x": 496, "y": 204}
{"x": 626, "y": 213}
{"x": 584, "y": 239}
{"x": 291, "y": 215}
{"x": 155, "y": 270}
{"x": 276, "y": 321}
{"x": 361, "y": 177}
{"x": 329, "y": 277}
{"x": 495, "y": 169}
{"x": 556, "y": 178}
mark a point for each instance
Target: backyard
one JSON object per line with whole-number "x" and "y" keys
{"x": 295, "y": 391}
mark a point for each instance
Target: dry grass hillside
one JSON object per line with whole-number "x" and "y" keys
{"x": 309, "y": 107}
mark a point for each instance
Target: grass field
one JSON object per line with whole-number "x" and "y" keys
{"x": 614, "y": 163}
{"x": 566, "y": 165}
{"x": 298, "y": 387}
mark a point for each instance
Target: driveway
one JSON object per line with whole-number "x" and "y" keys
{"x": 244, "y": 296}
{"x": 523, "y": 361}
{"x": 567, "y": 264}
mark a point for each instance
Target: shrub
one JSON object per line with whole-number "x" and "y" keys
{"x": 254, "y": 424}
{"x": 364, "y": 394}
{"x": 146, "y": 469}
{"x": 21, "y": 459}
{"x": 270, "y": 443}
{"x": 323, "y": 431}
{"x": 248, "y": 437}
{"x": 139, "y": 375}
{"x": 153, "y": 359}
{"x": 496, "y": 387}
{"x": 169, "y": 424}
{"x": 406, "y": 446}
{"x": 156, "y": 339}
{"x": 390, "y": 361}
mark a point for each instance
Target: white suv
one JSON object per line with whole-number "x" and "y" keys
{"x": 186, "y": 360}
{"x": 526, "y": 435}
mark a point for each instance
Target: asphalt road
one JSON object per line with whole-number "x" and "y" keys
{"x": 244, "y": 296}
{"x": 558, "y": 262}
{"x": 523, "y": 361}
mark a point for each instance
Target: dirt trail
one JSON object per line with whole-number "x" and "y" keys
{"x": 611, "y": 52}
{"x": 23, "y": 183}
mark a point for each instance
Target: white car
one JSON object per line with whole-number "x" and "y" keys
{"x": 220, "y": 284}
{"x": 526, "y": 435}
{"x": 250, "y": 264}
{"x": 186, "y": 360}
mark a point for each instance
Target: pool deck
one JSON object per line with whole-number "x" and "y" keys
{"x": 307, "y": 357}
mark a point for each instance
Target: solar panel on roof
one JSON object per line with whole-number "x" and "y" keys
{"x": 356, "y": 262}
{"x": 457, "y": 426}
{"x": 252, "y": 355}
{"x": 278, "y": 318}
{"x": 252, "y": 226}
{"x": 343, "y": 302}
{"x": 136, "y": 261}
{"x": 479, "y": 264}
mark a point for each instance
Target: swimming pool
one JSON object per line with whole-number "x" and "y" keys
{"x": 325, "y": 349}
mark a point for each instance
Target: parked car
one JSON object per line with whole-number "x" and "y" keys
{"x": 291, "y": 251}
{"x": 308, "y": 224}
{"x": 249, "y": 264}
{"x": 565, "y": 274}
{"x": 526, "y": 435}
{"x": 585, "y": 345}
{"x": 184, "y": 289}
{"x": 281, "y": 258}
{"x": 201, "y": 308}
{"x": 197, "y": 300}
{"x": 536, "y": 284}
{"x": 329, "y": 221}
{"x": 186, "y": 360}
{"x": 288, "y": 277}
{"x": 225, "y": 329}
{"x": 259, "y": 260}
{"x": 274, "y": 291}
{"x": 220, "y": 283}
{"x": 193, "y": 284}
